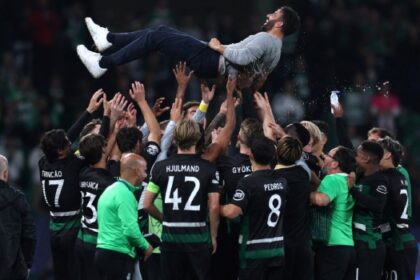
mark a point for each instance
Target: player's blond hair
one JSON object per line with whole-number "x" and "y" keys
{"x": 314, "y": 131}
{"x": 187, "y": 134}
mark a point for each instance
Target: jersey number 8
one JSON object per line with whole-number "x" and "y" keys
{"x": 274, "y": 204}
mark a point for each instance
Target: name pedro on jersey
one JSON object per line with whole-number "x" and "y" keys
{"x": 273, "y": 187}
{"x": 182, "y": 168}
{"x": 52, "y": 174}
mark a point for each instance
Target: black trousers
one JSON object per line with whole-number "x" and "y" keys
{"x": 225, "y": 262}
{"x": 174, "y": 44}
{"x": 400, "y": 265}
{"x": 114, "y": 265}
{"x": 335, "y": 263}
{"x": 64, "y": 256}
{"x": 181, "y": 265}
{"x": 86, "y": 260}
{"x": 299, "y": 263}
{"x": 262, "y": 273}
{"x": 369, "y": 262}
{"x": 152, "y": 268}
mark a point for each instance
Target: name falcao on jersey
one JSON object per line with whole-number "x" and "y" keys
{"x": 52, "y": 174}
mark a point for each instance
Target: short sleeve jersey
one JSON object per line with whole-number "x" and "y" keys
{"x": 184, "y": 182}
{"x": 369, "y": 207}
{"x": 231, "y": 170}
{"x": 342, "y": 202}
{"x": 396, "y": 230}
{"x": 93, "y": 181}
{"x": 60, "y": 190}
{"x": 261, "y": 196}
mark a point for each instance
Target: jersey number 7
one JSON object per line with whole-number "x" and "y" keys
{"x": 52, "y": 183}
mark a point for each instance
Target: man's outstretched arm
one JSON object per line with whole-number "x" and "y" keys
{"x": 241, "y": 55}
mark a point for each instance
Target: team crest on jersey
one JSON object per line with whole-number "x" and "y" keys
{"x": 152, "y": 150}
{"x": 382, "y": 189}
{"x": 239, "y": 195}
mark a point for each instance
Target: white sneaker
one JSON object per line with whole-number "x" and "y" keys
{"x": 98, "y": 34}
{"x": 91, "y": 61}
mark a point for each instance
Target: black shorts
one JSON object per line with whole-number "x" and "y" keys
{"x": 335, "y": 263}
{"x": 369, "y": 262}
{"x": 400, "y": 265}
{"x": 185, "y": 265}
{"x": 262, "y": 273}
{"x": 64, "y": 256}
{"x": 113, "y": 265}
{"x": 86, "y": 260}
{"x": 299, "y": 262}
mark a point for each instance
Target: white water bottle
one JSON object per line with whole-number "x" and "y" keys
{"x": 334, "y": 99}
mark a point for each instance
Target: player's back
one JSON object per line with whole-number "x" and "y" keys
{"x": 261, "y": 196}
{"x": 184, "y": 182}
{"x": 60, "y": 187}
{"x": 93, "y": 181}
{"x": 297, "y": 211}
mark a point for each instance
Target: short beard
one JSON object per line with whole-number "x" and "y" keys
{"x": 268, "y": 25}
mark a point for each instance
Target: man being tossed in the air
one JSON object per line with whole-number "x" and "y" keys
{"x": 252, "y": 58}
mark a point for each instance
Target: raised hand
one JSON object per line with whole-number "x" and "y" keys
{"x": 137, "y": 92}
{"x": 223, "y": 106}
{"x": 260, "y": 101}
{"x": 131, "y": 115}
{"x": 157, "y": 109}
{"x": 337, "y": 111}
{"x": 181, "y": 76}
{"x": 207, "y": 94}
{"x": 215, "y": 44}
{"x": 176, "y": 110}
{"x": 95, "y": 101}
{"x": 118, "y": 104}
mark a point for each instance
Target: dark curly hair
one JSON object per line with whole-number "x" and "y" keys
{"x": 127, "y": 138}
{"x": 53, "y": 142}
{"x": 291, "y": 20}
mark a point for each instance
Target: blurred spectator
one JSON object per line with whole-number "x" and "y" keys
{"x": 386, "y": 107}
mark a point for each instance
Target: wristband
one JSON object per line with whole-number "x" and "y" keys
{"x": 203, "y": 107}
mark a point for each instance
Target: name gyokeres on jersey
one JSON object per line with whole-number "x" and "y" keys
{"x": 241, "y": 169}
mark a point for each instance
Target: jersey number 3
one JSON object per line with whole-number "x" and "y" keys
{"x": 175, "y": 200}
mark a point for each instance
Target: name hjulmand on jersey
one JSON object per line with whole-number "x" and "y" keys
{"x": 182, "y": 168}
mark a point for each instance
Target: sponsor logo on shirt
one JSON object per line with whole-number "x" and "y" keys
{"x": 239, "y": 195}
